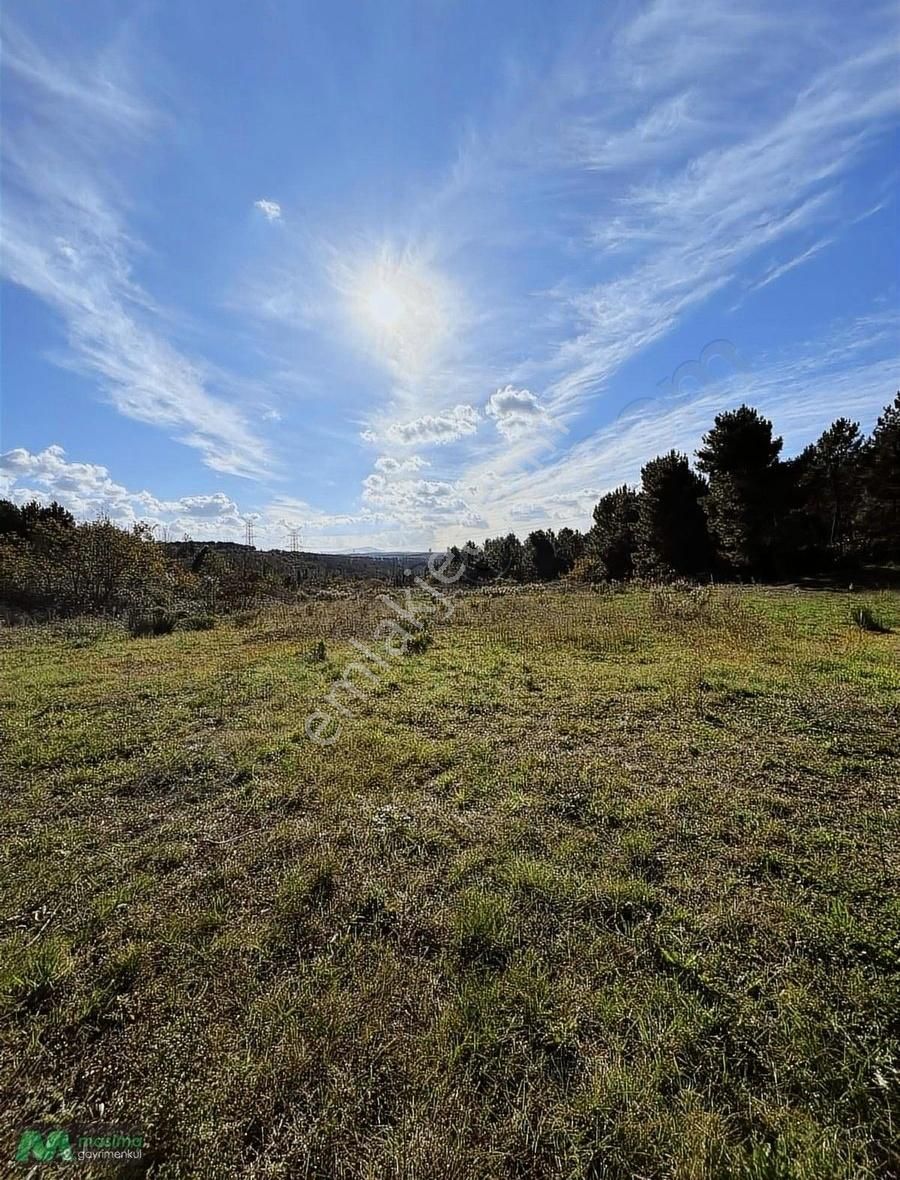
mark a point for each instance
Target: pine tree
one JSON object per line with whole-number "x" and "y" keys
{"x": 881, "y": 479}
{"x": 505, "y": 557}
{"x": 25, "y": 520}
{"x": 11, "y": 520}
{"x": 540, "y": 549}
{"x": 828, "y": 477}
{"x": 672, "y": 533}
{"x": 609, "y": 545}
{"x": 569, "y": 547}
{"x": 740, "y": 457}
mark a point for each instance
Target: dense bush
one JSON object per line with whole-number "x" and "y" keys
{"x": 157, "y": 621}
{"x": 198, "y": 622}
{"x": 92, "y": 568}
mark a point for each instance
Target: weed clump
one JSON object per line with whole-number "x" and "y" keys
{"x": 865, "y": 619}
{"x": 681, "y": 600}
{"x": 199, "y": 622}
{"x": 421, "y": 641}
{"x": 35, "y": 973}
{"x": 482, "y": 928}
{"x": 146, "y": 623}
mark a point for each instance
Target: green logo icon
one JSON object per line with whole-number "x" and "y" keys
{"x": 36, "y": 1145}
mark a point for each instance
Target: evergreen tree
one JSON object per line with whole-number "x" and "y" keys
{"x": 609, "y": 545}
{"x": 25, "y": 520}
{"x": 740, "y": 458}
{"x": 58, "y": 515}
{"x": 473, "y": 561}
{"x": 505, "y": 557}
{"x": 569, "y": 547}
{"x": 672, "y": 533}
{"x": 881, "y": 481}
{"x": 540, "y": 547}
{"x": 828, "y": 480}
{"x": 11, "y": 521}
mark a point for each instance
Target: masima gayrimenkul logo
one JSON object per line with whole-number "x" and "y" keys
{"x": 61, "y": 1145}
{"x": 44, "y": 1146}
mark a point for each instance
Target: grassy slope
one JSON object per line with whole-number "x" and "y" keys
{"x": 586, "y": 889}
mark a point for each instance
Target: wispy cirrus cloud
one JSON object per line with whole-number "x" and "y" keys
{"x": 66, "y": 241}
{"x": 852, "y": 370}
{"x": 480, "y": 304}
{"x": 400, "y": 509}
{"x": 689, "y": 232}
{"x": 776, "y": 272}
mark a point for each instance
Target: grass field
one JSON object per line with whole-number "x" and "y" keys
{"x": 596, "y": 885}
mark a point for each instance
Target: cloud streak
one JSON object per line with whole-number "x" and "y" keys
{"x": 65, "y": 242}
{"x": 479, "y": 313}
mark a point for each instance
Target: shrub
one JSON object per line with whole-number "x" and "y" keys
{"x": 865, "y": 619}
{"x": 155, "y": 621}
{"x": 421, "y": 641}
{"x": 198, "y": 622}
{"x": 93, "y": 568}
{"x": 681, "y": 600}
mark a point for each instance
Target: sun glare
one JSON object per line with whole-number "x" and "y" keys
{"x": 401, "y": 309}
{"x": 385, "y": 307}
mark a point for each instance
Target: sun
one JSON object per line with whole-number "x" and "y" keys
{"x": 402, "y": 310}
{"x": 385, "y": 307}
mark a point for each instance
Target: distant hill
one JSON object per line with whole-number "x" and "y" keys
{"x": 306, "y": 566}
{"x": 390, "y": 553}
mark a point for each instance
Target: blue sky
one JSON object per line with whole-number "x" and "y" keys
{"x": 404, "y": 273}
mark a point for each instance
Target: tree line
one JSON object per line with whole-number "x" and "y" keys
{"x": 740, "y": 511}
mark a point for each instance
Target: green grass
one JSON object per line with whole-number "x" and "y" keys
{"x": 591, "y": 885}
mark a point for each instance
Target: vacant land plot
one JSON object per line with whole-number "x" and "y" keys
{"x": 592, "y": 885}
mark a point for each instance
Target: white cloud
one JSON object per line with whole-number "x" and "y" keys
{"x": 751, "y": 130}
{"x": 391, "y": 466}
{"x": 88, "y": 491}
{"x": 422, "y": 502}
{"x": 844, "y": 372}
{"x": 528, "y": 512}
{"x": 782, "y": 268}
{"x": 271, "y": 210}
{"x": 516, "y": 412}
{"x": 709, "y": 149}
{"x": 94, "y": 89}
{"x": 215, "y": 505}
{"x": 694, "y": 226}
{"x": 435, "y": 429}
